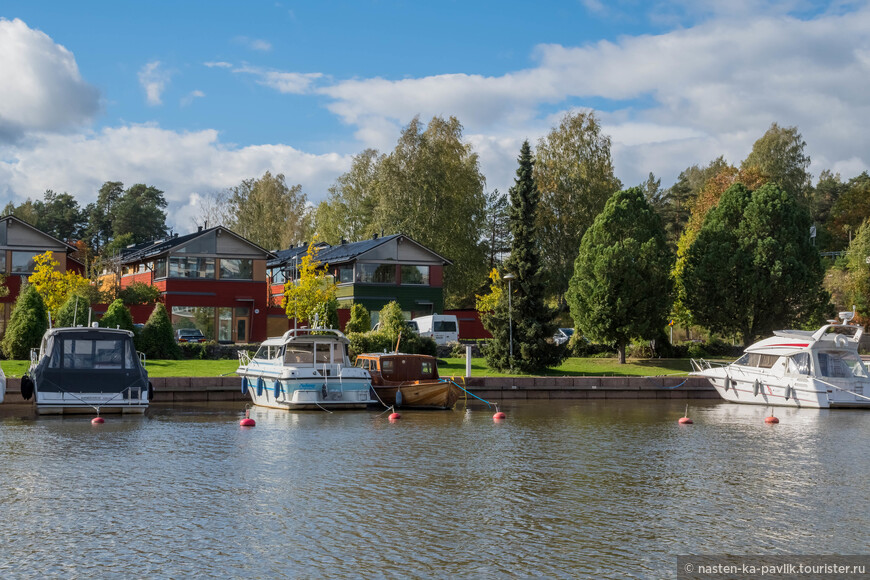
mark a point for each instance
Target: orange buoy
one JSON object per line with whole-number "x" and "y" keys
{"x": 394, "y": 416}
{"x": 97, "y": 421}
{"x": 247, "y": 422}
{"x": 771, "y": 420}
{"x": 499, "y": 415}
{"x": 685, "y": 421}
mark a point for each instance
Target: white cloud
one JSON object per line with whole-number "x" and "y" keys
{"x": 154, "y": 80}
{"x": 218, "y": 64}
{"x": 254, "y": 43}
{"x": 181, "y": 164}
{"x": 284, "y": 82}
{"x": 189, "y": 97}
{"x": 40, "y": 85}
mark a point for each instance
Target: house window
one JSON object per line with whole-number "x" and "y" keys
{"x": 181, "y": 267}
{"x": 415, "y": 275}
{"x": 277, "y": 276}
{"x": 237, "y": 269}
{"x": 377, "y": 273}
{"x": 2, "y": 261}
{"x": 200, "y": 317}
{"x": 23, "y": 262}
{"x": 160, "y": 268}
{"x": 345, "y": 274}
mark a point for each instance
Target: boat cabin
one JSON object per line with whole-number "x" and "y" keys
{"x": 398, "y": 367}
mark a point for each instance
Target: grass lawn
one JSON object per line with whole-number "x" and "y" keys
{"x": 454, "y": 366}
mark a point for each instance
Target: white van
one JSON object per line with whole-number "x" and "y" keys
{"x": 443, "y": 328}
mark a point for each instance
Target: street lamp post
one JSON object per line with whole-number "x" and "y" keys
{"x": 510, "y": 277}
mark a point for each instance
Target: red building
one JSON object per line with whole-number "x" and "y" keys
{"x": 20, "y": 243}
{"x": 213, "y": 280}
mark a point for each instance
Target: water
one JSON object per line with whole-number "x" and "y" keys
{"x": 560, "y": 489}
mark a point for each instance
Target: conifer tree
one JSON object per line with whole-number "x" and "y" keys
{"x": 532, "y": 320}
{"x": 360, "y": 319}
{"x": 27, "y": 324}
{"x": 621, "y": 288}
{"x": 157, "y": 339}
{"x": 74, "y": 312}
{"x": 117, "y": 316}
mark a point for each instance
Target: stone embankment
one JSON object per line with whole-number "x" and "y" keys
{"x": 209, "y": 389}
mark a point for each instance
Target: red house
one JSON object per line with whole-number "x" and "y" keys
{"x": 213, "y": 280}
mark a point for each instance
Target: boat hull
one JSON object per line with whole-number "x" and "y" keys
{"x": 310, "y": 394}
{"x": 419, "y": 395}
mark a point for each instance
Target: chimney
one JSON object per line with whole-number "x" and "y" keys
{"x": 374, "y": 236}
{"x": 199, "y": 228}
{"x": 343, "y": 241}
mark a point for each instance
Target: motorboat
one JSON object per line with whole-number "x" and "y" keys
{"x": 307, "y": 369}
{"x": 409, "y": 381}
{"x": 796, "y": 368}
{"x": 2, "y": 385}
{"x": 82, "y": 369}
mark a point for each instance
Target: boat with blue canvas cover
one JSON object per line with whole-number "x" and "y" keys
{"x": 305, "y": 369}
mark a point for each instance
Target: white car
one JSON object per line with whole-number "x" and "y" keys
{"x": 563, "y": 335}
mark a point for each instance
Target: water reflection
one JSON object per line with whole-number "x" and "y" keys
{"x": 587, "y": 488}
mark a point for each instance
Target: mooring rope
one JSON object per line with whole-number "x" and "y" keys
{"x": 488, "y": 404}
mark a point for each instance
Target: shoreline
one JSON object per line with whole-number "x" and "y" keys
{"x": 208, "y": 389}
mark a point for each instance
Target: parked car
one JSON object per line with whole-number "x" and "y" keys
{"x": 443, "y": 328}
{"x": 563, "y": 335}
{"x": 189, "y": 335}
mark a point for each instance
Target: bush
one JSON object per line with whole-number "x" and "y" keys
{"x": 117, "y": 316}
{"x": 377, "y": 341}
{"x": 73, "y": 312}
{"x": 27, "y": 324}
{"x": 579, "y": 346}
{"x": 360, "y": 320}
{"x": 157, "y": 339}
{"x": 139, "y": 293}
{"x": 197, "y": 350}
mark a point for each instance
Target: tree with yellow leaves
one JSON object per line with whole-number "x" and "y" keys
{"x": 486, "y": 303}
{"x": 52, "y": 285}
{"x": 304, "y": 296}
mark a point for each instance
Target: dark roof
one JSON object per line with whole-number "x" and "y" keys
{"x": 340, "y": 253}
{"x": 151, "y": 249}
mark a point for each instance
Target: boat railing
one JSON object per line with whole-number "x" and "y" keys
{"x": 244, "y": 357}
{"x": 34, "y": 356}
{"x": 701, "y": 365}
{"x": 142, "y": 359}
{"x": 295, "y": 332}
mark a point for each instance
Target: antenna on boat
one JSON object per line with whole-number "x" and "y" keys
{"x": 76, "y": 311}
{"x": 49, "y": 320}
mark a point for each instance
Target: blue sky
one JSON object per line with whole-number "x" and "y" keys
{"x": 195, "y": 96}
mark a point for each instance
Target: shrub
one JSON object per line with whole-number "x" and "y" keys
{"x": 139, "y": 293}
{"x": 157, "y": 339}
{"x": 360, "y": 320}
{"x": 117, "y": 316}
{"x": 74, "y": 312}
{"x": 27, "y": 324}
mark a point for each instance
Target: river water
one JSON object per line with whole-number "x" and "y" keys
{"x": 597, "y": 489}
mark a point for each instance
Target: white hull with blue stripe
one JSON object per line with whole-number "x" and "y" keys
{"x": 305, "y": 369}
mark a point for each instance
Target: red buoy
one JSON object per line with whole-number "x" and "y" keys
{"x": 771, "y": 420}
{"x": 394, "y": 416}
{"x": 685, "y": 421}
{"x": 499, "y": 415}
{"x": 247, "y": 422}
{"x": 97, "y": 421}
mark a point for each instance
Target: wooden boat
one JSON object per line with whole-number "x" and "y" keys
{"x": 410, "y": 381}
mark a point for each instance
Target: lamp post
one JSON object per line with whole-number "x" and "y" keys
{"x": 510, "y": 277}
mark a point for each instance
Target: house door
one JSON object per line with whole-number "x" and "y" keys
{"x": 242, "y": 321}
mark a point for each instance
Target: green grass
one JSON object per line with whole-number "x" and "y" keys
{"x": 455, "y": 366}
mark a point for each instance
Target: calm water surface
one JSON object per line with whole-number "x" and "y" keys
{"x": 559, "y": 489}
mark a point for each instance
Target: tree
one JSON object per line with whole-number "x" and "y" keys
{"x": 27, "y": 323}
{"x": 525, "y": 316}
{"x": 360, "y": 320}
{"x": 74, "y": 311}
{"x": 57, "y": 214}
{"x": 304, "y": 297}
{"x": 485, "y": 304}
{"x": 574, "y": 171}
{"x": 496, "y": 231}
{"x": 100, "y": 213}
{"x": 431, "y": 189}
{"x": 779, "y": 156}
{"x": 139, "y": 293}
{"x": 850, "y": 210}
{"x": 157, "y": 339}
{"x": 117, "y": 316}
{"x": 857, "y": 285}
{"x": 269, "y": 212}
{"x": 752, "y": 267}
{"x": 349, "y": 212}
{"x": 621, "y": 288}
{"x": 680, "y": 197}
{"x": 139, "y": 212}
{"x": 53, "y": 286}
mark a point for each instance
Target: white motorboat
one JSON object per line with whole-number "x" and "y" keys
{"x": 306, "y": 368}
{"x": 796, "y": 368}
{"x": 79, "y": 369}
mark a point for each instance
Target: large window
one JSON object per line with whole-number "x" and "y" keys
{"x": 200, "y": 317}
{"x": 182, "y": 267}
{"x": 345, "y": 274}
{"x": 237, "y": 269}
{"x": 23, "y": 262}
{"x": 377, "y": 273}
{"x": 415, "y": 275}
{"x": 160, "y": 268}
{"x": 2, "y": 261}
{"x": 277, "y": 276}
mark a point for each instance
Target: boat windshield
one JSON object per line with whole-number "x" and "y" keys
{"x": 299, "y": 353}
{"x": 841, "y": 365}
{"x": 268, "y": 352}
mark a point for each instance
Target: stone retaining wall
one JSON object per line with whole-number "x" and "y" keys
{"x": 207, "y": 389}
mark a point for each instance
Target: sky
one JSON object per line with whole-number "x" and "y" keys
{"x": 195, "y": 96}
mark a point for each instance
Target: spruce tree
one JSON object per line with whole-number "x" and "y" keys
{"x": 157, "y": 339}
{"x": 117, "y": 316}
{"x": 27, "y": 324}
{"x": 360, "y": 320}
{"x": 532, "y": 320}
{"x": 73, "y": 312}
